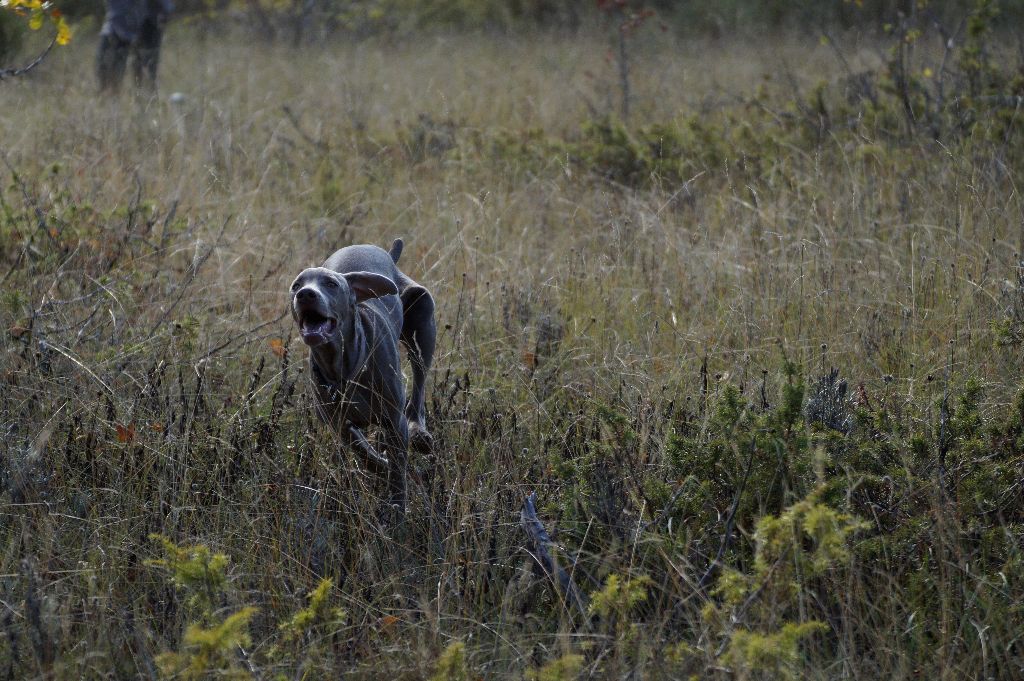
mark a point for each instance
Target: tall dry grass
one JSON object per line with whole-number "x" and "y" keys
{"x": 153, "y": 384}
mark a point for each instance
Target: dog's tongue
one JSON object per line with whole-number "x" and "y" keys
{"x": 315, "y": 333}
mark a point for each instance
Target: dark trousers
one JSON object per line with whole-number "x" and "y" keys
{"x": 112, "y": 59}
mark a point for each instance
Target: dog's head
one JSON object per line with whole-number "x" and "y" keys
{"x": 324, "y": 302}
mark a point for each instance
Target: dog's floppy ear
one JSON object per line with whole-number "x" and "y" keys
{"x": 366, "y": 285}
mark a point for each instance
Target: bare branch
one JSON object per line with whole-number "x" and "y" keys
{"x": 539, "y": 547}
{"x": 14, "y": 73}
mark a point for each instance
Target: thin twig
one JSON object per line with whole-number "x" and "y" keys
{"x": 191, "y": 277}
{"x": 81, "y": 365}
{"x": 245, "y": 334}
{"x": 14, "y": 73}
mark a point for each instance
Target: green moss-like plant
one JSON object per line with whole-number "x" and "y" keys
{"x": 195, "y": 569}
{"x": 776, "y": 654}
{"x": 564, "y": 668}
{"x": 451, "y": 665}
{"x": 211, "y": 651}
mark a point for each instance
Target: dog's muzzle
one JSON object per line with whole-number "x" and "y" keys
{"x": 315, "y": 326}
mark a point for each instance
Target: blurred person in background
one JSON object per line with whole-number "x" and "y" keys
{"x": 131, "y": 27}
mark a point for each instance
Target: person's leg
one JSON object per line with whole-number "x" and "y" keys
{"x": 148, "y": 54}
{"x": 111, "y": 59}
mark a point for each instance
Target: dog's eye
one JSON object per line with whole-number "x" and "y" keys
{"x": 330, "y": 283}
{"x": 295, "y": 286}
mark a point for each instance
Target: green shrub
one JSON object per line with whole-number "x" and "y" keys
{"x": 211, "y": 651}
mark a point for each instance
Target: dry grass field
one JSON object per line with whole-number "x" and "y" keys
{"x": 634, "y": 321}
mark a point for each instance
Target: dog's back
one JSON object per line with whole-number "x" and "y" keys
{"x": 363, "y": 258}
{"x": 369, "y": 258}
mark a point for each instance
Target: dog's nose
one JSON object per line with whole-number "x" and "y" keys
{"x": 305, "y": 294}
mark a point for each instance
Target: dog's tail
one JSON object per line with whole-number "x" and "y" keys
{"x": 396, "y": 250}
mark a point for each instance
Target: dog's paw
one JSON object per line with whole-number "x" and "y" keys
{"x": 420, "y": 439}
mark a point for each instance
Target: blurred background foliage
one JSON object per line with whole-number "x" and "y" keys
{"x": 298, "y": 21}
{"x": 319, "y": 19}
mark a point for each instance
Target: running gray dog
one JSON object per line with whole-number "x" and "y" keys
{"x": 352, "y": 312}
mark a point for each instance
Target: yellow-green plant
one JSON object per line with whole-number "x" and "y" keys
{"x": 564, "y": 668}
{"x": 619, "y": 596}
{"x": 211, "y": 651}
{"x": 806, "y": 539}
{"x": 803, "y": 542}
{"x": 777, "y": 652}
{"x": 301, "y": 633}
{"x": 318, "y": 612}
{"x": 451, "y": 665}
{"x": 206, "y": 648}
{"x": 615, "y": 605}
{"x": 194, "y": 569}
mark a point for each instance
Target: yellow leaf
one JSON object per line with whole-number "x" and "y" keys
{"x": 63, "y": 31}
{"x": 277, "y": 347}
{"x": 36, "y": 22}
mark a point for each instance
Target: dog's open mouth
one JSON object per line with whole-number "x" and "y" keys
{"x": 316, "y": 328}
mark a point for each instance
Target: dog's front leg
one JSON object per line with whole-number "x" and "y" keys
{"x": 355, "y": 439}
